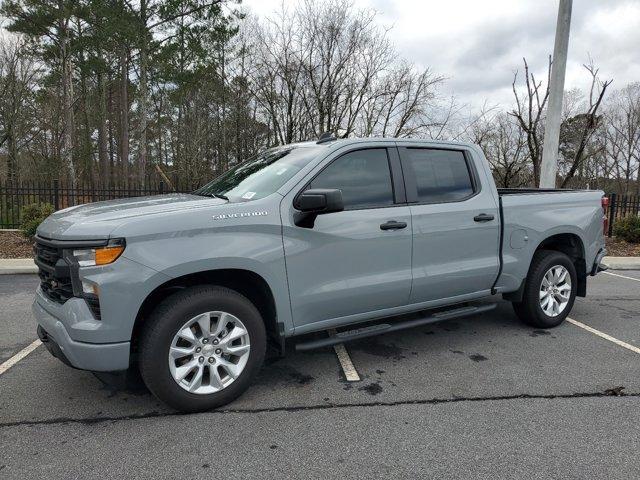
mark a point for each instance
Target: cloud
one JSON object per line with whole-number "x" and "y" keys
{"x": 479, "y": 44}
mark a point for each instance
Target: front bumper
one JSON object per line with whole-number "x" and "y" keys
{"x": 99, "y": 357}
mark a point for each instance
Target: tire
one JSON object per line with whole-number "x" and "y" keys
{"x": 161, "y": 331}
{"x": 530, "y": 310}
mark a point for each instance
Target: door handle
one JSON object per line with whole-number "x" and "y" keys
{"x": 393, "y": 225}
{"x": 483, "y": 217}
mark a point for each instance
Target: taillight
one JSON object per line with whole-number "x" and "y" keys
{"x": 605, "y": 219}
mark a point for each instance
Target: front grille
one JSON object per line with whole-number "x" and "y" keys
{"x": 46, "y": 254}
{"x": 54, "y": 273}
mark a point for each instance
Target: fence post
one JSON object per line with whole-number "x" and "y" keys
{"x": 56, "y": 196}
{"x": 612, "y": 213}
{"x": 161, "y": 187}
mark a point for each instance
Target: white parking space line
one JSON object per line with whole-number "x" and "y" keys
{"x": 349, "y": 370}
{"x": 604, "y": 335}
{"x": 19, "y": 356}
{"x": 622, "y": 276}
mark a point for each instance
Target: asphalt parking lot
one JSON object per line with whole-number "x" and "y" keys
{"x": 472, "y": 398}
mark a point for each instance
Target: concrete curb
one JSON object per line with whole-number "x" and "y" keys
{"x": 622, "y": 263}
{"x": 9, "y": 266}
{"x": 25, "y": 265}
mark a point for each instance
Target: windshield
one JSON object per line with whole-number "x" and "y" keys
{"x": 261, "y": 175}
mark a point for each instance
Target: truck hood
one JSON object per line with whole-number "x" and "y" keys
{"x": 98, "y": 220}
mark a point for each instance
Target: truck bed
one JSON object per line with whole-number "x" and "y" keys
{"x": 531, "y": 191}
{"x": 529, "y": 216}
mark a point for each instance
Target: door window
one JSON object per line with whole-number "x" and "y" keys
{"x": 440, "y": 175}
{"x": 363, "y": 176}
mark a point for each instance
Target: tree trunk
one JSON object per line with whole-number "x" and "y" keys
{"x": 103, "y": 150}
{"x": 124, "y": 116}
{"x": 144, "y": 102}
{"x": 12, "y": 157}
{"x": 223, "y": 108}
{"x": 67, "y": 97}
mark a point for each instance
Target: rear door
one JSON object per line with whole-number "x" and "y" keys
{"x": 455, "y": 224}
{"x": 350, "y": 263}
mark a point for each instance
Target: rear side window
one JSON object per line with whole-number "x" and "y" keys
{"x": 363, "y": 176}
{"x": 441, "y": 175}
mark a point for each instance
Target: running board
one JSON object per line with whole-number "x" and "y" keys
{"x": 377, "y": 329}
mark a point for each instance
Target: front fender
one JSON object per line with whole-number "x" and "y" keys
{"x": 258, "y": 250}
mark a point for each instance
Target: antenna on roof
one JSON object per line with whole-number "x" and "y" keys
{"x": 326, "y": 137}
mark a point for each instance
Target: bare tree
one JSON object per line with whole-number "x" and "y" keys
{"x": 327, "y": 66}
{"x": 622, "y": 136}
{"x": 587, "y": 124}
{"x": 402, "y": 106}
{"x": 276, "y": 74}
{"x": 529, "y": 113}
{"x": 343, "y": 50}
{"x": 505, "y": 146}
{"x": 17, "y": 83}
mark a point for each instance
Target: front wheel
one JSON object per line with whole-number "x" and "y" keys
{"x": 202, "y": 347}
{"x": 550, "y": 290}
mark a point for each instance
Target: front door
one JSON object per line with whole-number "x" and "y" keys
{"x": 350, "y": 262}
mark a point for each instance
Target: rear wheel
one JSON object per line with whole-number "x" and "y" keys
{"x": 202, "y": 347}
{"x": 550, "y": 290}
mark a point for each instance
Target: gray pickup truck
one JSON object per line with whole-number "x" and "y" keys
{"x": 303, "y": 238}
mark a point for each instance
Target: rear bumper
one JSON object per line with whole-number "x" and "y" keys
{"x": 100, "y": 357}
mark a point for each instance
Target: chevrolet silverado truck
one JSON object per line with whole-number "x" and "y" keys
{"x": 342, "y": 234}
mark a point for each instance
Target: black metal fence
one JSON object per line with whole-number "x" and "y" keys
{"x": 621, "y": 206}
{"x": 60, "y": 195}
{"x": 14, "y": 198}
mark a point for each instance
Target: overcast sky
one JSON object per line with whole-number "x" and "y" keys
{"x": 478, "y": 44}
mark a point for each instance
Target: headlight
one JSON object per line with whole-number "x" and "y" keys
{"x": 90, "y": 257}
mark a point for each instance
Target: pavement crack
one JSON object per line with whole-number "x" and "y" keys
{"x": 325, "y": 406}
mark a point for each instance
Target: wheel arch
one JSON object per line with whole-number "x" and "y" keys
{"x": 246, "y": 282}
{"x": 571, "y": 245}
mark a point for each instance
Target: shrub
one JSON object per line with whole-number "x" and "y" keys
{"x": 628, "y": 228}
{"x": 32, "y": 216}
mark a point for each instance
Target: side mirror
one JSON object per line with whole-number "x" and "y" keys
{"x": 319, "y": 201}
{"x": 314, "y": 202}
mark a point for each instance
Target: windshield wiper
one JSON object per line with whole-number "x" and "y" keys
{"x": 216, "y": 195}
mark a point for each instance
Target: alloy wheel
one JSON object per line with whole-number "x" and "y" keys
{"x": 555, "y": 290}
{"x": 209, "y": 352}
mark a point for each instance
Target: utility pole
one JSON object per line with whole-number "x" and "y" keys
{"x": 556, "y": 89}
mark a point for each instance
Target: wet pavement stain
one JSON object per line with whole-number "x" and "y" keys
{"x": 282, "y": 373}
{"x": 371, "y": 389}
{"x": 380, "y": 349}
{"x": 450, "y": 326}
{"x": 476, "y": 357}
{"x": 301, "y": 378}
{"x": 539, "y": 333}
